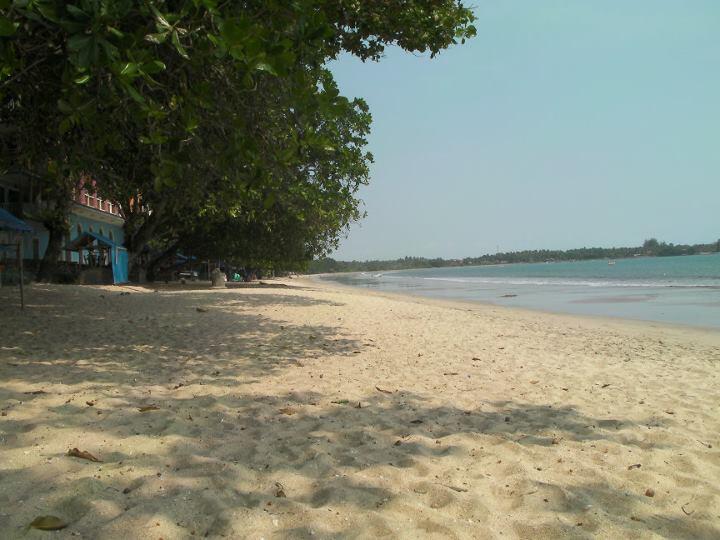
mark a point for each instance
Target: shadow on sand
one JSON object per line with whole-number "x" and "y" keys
{"x": 226, "y": 453}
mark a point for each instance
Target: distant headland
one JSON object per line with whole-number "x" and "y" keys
{"x": 650, "y": 248}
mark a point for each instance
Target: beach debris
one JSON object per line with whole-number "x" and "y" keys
{"x": 90, "y": 403}
{"x": 287, "y": 410}
{"x": 649, "y": 492}
{"x": 635, "y": 466}
{"x": 124, "y": 294}
{"x": 605, "y": 385}
{"x": 383, "y": 390}
{"x": 358, "y": 406}
{"x": 397, "y": 443}
{"x": 178, "y": 385}
{"x": 685, "y": 511}
{"x": 147, "y": 408}
{"x": 534, "y": 382}
{"x": 201, "y": 309}
{"x": 418, "y": 421}
{"x": 556, "y": 440}
{"x": 35, "y": 392}
{"x": 454, "y": 488}
{"x": 126, "y": 490}
{"x": 451, "y": 373}
{"x": 704, "y": 443}
{"x": 48, "y": 523}
{"x": 508, "y": 296}
{"x": 635, "y": 518}
{"x": 341, "y": 401}
{"x": 279, "y": 490}
{"x": 82, "y": 454}
{"x": 476, "y": 359}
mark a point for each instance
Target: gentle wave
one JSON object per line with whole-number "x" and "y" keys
{"x": 575, "y": 282}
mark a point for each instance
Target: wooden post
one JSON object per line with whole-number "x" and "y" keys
{"x": 22, "y": 278}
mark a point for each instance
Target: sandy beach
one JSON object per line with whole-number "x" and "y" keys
{"x": 319, "y": 412}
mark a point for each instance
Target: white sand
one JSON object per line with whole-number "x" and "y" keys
{"x": 473, "y": 421}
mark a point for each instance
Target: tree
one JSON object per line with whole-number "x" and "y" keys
{"x": 190, "y": 108}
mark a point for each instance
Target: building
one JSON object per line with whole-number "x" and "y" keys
{"x": 21, "y": 196}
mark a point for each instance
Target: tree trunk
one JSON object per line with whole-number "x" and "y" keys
{"x": 49, "y": 264}
{"x": 139, "y": 230}
{"x": 154, "y": 262}
{"x": 58, "y": 197}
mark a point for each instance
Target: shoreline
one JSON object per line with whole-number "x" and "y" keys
{"x": 640, "y": 324}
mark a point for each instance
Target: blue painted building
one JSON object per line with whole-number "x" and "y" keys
{"x": 20, "y": 195}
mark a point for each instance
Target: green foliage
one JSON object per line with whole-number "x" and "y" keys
{"x": 194, "y": 112}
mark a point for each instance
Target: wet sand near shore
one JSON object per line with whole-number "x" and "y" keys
{"x": 320, "y": 412}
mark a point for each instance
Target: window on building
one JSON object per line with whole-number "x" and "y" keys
{"x": 101, "y": 233}
{"x": 110, "y": 236}
{"x": 36, "y": 248}
{"x": 79, "y": 230}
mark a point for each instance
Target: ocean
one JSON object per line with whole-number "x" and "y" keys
{"x": 681, "y": 290}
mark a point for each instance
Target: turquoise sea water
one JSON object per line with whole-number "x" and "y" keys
{"x": 684, "y": 290}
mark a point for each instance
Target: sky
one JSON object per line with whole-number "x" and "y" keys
{"x": 563, "y": 124}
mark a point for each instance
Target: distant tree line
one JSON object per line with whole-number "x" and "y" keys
{"x": 650, "y": 248}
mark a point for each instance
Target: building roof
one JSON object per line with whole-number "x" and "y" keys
{"x": 9, "y": 222}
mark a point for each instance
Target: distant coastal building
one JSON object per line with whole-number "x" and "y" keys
{"x": 21, "y": 196}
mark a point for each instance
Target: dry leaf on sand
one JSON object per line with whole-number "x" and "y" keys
{"x": 48, "y": 523}
{"x": 147, "y": 408}
{"x": 82, "y": 454}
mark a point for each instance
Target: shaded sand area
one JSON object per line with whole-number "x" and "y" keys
{"x": 313, "y": 412}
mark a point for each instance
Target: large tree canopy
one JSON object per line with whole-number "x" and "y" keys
{"x": 204, "y": 115}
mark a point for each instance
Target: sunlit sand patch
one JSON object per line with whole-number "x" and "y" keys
{"x": 375, "y": 416}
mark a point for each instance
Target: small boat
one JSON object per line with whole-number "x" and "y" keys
{"x": 610, "y": 263}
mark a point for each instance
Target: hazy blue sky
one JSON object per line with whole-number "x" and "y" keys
{"x": 563, "y": 124}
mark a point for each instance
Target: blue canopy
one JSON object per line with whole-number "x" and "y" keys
{"x": 10, "y": 222}
{"x": 88, "y": 238}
